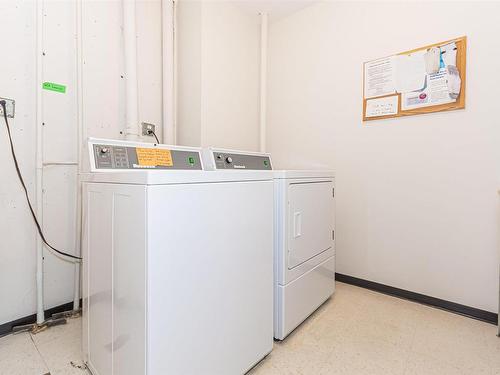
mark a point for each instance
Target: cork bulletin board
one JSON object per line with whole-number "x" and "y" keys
{"x": 423, "y": 80}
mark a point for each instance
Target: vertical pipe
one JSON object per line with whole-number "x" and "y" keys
{"x": 40, "y": 315}
{"x": 80, "y": 140}
{"x": 174, "y": 71}
{"x": 168, "y": 14}
{"x": 131, "y": 88}
{"x": 263, "y": 80}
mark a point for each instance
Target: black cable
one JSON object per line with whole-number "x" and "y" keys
{"x": 16, "y": 164}
{"x": 152, "y": 132}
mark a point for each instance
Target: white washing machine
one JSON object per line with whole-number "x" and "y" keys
{"x": 178, "y": 263}
{"x": 304, "y": 235}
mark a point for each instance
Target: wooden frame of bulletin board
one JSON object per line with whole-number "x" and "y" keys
{"x": 459, "y": 103}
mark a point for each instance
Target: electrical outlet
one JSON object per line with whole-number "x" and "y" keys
{"x": 146, "y": 128}
{"x": 10, "y": 105}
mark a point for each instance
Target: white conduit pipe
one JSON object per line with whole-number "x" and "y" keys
{"x": 263, "y": 80}
{"x": 79, "y": 140}
{"x": 132, "y": 130}
{"x": 168, "y": 16}
{"x": 40, "y": 314}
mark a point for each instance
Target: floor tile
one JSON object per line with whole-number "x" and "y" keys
{"x": 19, "y": 356}
{"x": 361, "y": 355}
{"x": 453, "y": 339}
{"x": 61, "y": 346}
{"x": 423, "y": 365}
{"x": 492, "y": 347}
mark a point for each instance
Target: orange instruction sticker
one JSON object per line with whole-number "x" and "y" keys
{"x": 153, "y": 157}
{"x": 164, "y": 158}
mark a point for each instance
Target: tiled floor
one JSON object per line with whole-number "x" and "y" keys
{"x": 50, "y": 351}
{"x": 357, "y": 332}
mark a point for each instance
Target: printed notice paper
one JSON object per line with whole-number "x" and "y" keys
{"x": 379, "y": 77}
{"x": 409, "y": 72}
{"x": 382, "y": 106}
{"x": 435, "y": 92}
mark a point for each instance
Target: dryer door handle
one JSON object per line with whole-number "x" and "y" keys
{"x": 297, "y": 224}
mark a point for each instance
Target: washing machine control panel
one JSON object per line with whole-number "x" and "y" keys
{"x": 221, "y": 159}
{"x": 116, "y": 156}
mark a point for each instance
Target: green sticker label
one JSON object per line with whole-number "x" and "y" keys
{"x": 54, "y": 87}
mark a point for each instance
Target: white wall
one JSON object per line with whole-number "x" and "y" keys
{"x": 188, "y": 72}
{"x": 103, "y": 70}
{"x": 59, "y": 113}
{"x": 103, "y": 116}
{"x": 17, "y": 234}
{"x": 416, "y": 196}
{"x": 218, "y": 62}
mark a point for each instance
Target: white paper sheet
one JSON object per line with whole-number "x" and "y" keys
{"x": 379, "y": 77}
{"x": 382, "y": 106}
{"x": 449, "y": 53}
{"x": 409, "y": 72}
{"x": 435, "y": 92}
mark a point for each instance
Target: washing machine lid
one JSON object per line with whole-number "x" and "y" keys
{"x": 306, "y": 173}
{"x": 162, "y": 177}
{"x": 310, "y": 220}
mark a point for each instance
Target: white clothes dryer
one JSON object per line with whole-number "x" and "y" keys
{"x": 304, "y": 234}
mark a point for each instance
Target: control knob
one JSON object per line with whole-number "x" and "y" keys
{"x": 229, "y": 159}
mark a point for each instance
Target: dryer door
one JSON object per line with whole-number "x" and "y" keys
{"x": 310, "y": 220}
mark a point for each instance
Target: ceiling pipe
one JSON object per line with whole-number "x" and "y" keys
{"x": 168, "y": 53}
{"x": 132, "y": 126}
{"x": 40, "y": 313}
{"x": 263, "y": 81}
{"x": 81, "y": 138}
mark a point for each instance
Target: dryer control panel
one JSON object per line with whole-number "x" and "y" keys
{"x": 216, "y": 159}
{"x": 108, "y": 154}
